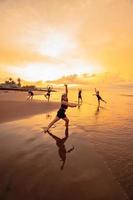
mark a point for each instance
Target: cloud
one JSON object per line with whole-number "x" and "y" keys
{"x": 98, "y": 32}
{"x": 19, "y": 57}
{"x": 90, "y": 79}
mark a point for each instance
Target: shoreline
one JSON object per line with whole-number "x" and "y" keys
{"x": 15, "y": 110}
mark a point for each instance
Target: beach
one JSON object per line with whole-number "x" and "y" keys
{"x": 13, "y": 106}
{"x": 98, "y": 165}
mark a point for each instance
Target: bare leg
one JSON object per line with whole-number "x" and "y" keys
{"x": 28, "y": 98}
{"x": 98, "y": 102}
{"x": 52, "y": 123}
{"x": 66, "y": 133}
{"x": 66, "y": 121}
{"x": 45, "y": 96}
{"x": 103, "y": 100}
{"x": 48, "y": 98}
{"x": 78, "y": 101}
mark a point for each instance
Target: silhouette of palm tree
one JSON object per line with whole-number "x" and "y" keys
{"x": 19, "y": 82}
{"x": 10, "y": 79}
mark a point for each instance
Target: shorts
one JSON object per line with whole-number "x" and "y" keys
{"x": 31, "y": 93}
{"x": 61, "y": 113}
{"x": 48, "y": 94}
{"x": 99, "y": 98}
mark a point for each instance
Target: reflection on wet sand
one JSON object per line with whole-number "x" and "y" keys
{"x": 60, "y": 142}
{"x": 100, "y": 168}
{"x": 97, "y": 110}
{"x": 79, "y": 105}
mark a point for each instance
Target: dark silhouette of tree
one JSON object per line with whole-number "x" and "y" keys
{"x": 19, "y": 82}
{"x": 10, "y": 79}
{"x": 7, "y": 82}
{"x": 13, "y": 82}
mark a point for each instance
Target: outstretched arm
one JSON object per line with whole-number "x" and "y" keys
{"x": 69, "y": 104}
{"x": 68, "y": 151}
{"x": 95, "y": 92}
{"x": 66, "y": 89}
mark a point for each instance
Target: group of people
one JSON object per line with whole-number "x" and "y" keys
{"x": 61, "y": 114}
{"x": 47, "y": 95}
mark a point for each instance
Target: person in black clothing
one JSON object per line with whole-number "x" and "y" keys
{"x": 61, "y": 114}
{"x": 47, "y": 95}
{"x": 30, "y": 95}
{"x": 99, "y": 98}
{"x": 79, "y": 96}
{"x": 60, "y": 142}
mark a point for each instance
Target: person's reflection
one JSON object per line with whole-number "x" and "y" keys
{"x": 61, "y": 146}
{"x": 97, "y": 111}
{"x": 79, "y": 105}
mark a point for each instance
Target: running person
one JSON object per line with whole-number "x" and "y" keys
{"x": 47, "y": 95}
{"x": 79, "y": 96}
{"x": 61, "y": 112}
{"x": 99, "y": 98}
{"x": 30, "y": 95}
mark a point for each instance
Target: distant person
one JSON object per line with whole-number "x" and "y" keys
{"x": 61, "y": 112}
{"x": 30, "y": 95}
{"x": 47, "y": 95}
{"x": 60, "y": 142}
{"x": 99, "y": 98}
{"x": 80, "y": 96}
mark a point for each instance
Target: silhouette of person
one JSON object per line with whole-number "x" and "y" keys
{"x": 80, "y": 96}
{"x": 47, "y": 95}
{"x": 61, "y": 114}
{"x": 99, "y": 98}
{"x": 60, "y": 142}
{"x": 30, "y": 95}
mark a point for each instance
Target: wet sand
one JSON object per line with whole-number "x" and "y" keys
{"x": 31, "y": 167}
{"x": 13, "y": 106}
{"x": 30, "y": 161}
{"x": 13, "y": 110}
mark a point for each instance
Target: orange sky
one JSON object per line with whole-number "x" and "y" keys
{"x": 47, "y": 39}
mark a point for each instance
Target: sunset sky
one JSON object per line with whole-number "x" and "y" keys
{"x": 48, "y": 39}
